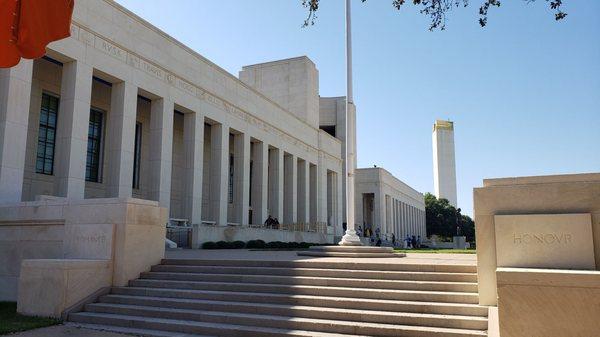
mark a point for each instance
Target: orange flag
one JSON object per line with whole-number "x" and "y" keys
{"x": 27, "y": 26}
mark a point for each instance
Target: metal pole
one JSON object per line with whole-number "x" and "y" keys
{"x": 350, "y": 238}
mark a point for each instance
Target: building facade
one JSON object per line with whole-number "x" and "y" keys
{"x": 388, "y": 206}
{"x": 121, "y": 109}
{"x": 444, "y": 164}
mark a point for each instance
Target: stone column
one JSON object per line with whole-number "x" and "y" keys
{"x": 276, "y": 183}
{"x": 15, "y": 95}
{"x": 241, "y": 177}
{"x": 322, "y": 193}
{"x": 393, "y": 227}
{"x": 193, "y": 147}
{"x": 161, "y": 150}
{"x": 401, "y": 231}
{"x": 219, "y": 172}
{"x": 260, "y": 178}
{"x": 72, "y": 129}
{"x": 303, "y": 191}
{"x": 381, "y": 210}
{"x": 313, "y": 193}
{"x": 121, "y": 139}
{"x": 405, "y": 220}
{"x": 290, "y": 190}
{"x": 340, "y": 202}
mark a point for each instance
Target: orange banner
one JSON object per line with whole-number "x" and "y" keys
{"x": 27, "y": 26}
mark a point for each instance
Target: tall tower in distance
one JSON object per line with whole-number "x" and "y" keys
{"x": 444, "y": 164}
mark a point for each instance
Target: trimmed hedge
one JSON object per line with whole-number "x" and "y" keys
{"x": 258, "y": 244}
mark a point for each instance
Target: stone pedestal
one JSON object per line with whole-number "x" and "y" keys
{"x": 460, "y": 242}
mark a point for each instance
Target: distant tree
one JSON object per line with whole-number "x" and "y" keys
{"x": 445, "y": 220}
{"x": 436, "y": 10}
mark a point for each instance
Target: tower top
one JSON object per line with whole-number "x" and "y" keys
{"x": 443, "y": 125}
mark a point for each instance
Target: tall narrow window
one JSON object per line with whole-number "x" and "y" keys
{"x": 137, "y": 155}
{"x": 44, "y": 163}
{"x": 94, "y": 146}
{"x": 230, "y": 191}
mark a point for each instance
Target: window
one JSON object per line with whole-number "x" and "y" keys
{"x": 137, "y": 155}
{"x": 230, "y": 191}
{"x": 47, "y": 135}
{"x": 94, "y": 146}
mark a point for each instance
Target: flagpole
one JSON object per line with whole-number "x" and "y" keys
{"x": 350, "y": 238}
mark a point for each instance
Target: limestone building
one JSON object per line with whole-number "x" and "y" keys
{"x": 383, "y": 201}
{"x": 444, "y": 165}
{"x": 121, "y": 109}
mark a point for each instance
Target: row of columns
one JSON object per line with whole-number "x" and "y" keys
{"x": 403, "y": 219}
{"x": 273, "y": 169}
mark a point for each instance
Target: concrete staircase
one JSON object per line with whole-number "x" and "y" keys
{"x": 293, "y": 298}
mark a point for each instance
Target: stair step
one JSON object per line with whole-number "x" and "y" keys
{"x": 354, "y": 315}
{"x": 410, "y": 295}
{"x": 465, "y": 309}
{"x": 319, "y": 263}
{"x": 189, "y": 327}
{"x": 252, "y": 321}
{"x": 361, "y": 274}
{"x": 316, "y": 281}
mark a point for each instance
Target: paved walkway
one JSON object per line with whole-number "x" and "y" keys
{"x": 284, "y": 255}
{"x": 66, "y": 331}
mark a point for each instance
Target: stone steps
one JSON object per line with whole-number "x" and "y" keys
{"x": 325, "y": 297}
{"x": 252, "y": 325}
{"x": 294, "y": 299}
{"x": 324, "y": 264}
{"x": 353, "y": 315}
{"x": 316, "y": 272}
{"x": 189, "y": 327}
{"x": 406, "y": 295}
{"x": 316, "y": 281}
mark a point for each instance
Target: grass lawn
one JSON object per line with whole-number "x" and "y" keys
{"x": 436, "y": 251}
{"x": 10, "y": 321}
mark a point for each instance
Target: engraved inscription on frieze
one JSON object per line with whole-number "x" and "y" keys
{"x": 158, "y": 72}
{"x": 91, "y": 238}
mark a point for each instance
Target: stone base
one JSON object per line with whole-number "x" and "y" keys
{"x": 351, "y": 251}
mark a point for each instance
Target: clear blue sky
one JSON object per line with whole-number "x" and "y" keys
{"x": 524, "y": 92}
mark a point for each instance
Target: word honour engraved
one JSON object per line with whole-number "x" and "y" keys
{"x": 541, "y": 238}
{"x": 561, "y": 241}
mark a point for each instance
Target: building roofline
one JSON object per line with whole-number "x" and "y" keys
{"x": 295, "y": 58}
{"x": 194, "y": 53}
{"x": 381, "y": 169}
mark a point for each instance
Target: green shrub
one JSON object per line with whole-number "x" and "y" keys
{"x": 256, "y": 244}
{"x": 209, "y": 245}
{"x": 224, "y": 245}
{"x": 304, "y": 245}
{"x": 276, "y": 244}
{"x": 238, "y": 244}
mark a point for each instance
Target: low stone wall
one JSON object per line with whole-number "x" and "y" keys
{"x": 202, "y": 233}
{"x": 548, "y": 303}
{"x": 49, "y": 287}
{"x": 111, "y": 239}
{"x": 26, "y": 240}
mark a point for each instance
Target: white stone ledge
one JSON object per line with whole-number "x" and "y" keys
{"x": 548, "y": 277}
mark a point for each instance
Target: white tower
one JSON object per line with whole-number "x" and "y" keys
{"x": 444, "y": 164}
